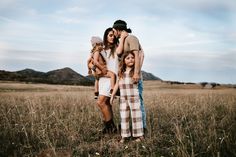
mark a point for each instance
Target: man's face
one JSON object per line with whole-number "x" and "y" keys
{"x": 116, "y": 33}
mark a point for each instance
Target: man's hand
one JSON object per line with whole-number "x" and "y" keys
{"x": 123, "y": 34}
{"x": 136, "y": 78}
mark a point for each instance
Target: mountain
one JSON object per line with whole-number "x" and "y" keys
{"x": 146, "y": 76}
{"x": 30, "y": 73}
{"x": 149, "y": 76}
{"x": 65, "y": 76}
{"x": 60, "y": 76}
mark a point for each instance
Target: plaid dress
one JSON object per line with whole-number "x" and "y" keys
{"x": 130, "y": 105}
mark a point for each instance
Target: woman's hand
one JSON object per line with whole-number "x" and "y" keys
{"x": 104, "y": 70}
{"x": 111, "y": 99}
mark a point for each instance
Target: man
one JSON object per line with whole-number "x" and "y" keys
{"x": 131, "y": 43}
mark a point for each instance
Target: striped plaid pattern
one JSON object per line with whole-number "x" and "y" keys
{"x": 130, "y": 105}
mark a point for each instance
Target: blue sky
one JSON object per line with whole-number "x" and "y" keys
{"x": 183, "y": 40}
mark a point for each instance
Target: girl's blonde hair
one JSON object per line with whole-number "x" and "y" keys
{"x": 122, "y": 66}
{"x": 97, "y": 48}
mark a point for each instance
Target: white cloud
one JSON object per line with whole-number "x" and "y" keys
{"x": 3, "y": 45}
{"x": 176, "y": 35}
{"x": 73, "y": 10}
{"x": 7, "y": 3}
{"x": 67, "y": 20}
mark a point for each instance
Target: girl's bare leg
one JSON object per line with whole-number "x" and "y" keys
{"x": 96, "y": 89}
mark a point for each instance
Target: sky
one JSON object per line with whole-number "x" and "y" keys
{"x": 183, "y": 40}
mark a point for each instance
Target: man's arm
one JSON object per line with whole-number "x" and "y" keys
{"x": 141, "y": 57}
{"x": 135, "y": 47}
{"x": 136, "y": 75}
{"x": 119, "y": 49}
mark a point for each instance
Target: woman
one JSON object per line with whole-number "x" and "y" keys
{"x": 110, "y": 46}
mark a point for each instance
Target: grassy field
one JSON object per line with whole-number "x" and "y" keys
{"x": 56, "y": 120}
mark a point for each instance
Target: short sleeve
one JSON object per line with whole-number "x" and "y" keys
{"x": 133, "y": 43}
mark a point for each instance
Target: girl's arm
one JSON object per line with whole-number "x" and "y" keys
{"x": 114, "y": 91}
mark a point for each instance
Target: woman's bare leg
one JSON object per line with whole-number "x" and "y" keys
{"x": 105, "y": 107}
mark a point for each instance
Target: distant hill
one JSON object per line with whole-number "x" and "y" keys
{"x": 149, "y": 76}
{"x": 60, "y": 76}
{"x": 65, "y": 76}
{"x": 146, "y": 76}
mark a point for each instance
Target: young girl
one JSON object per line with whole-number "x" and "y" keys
{"x": 129, "y": 99}
{"x": 98, "y": 68}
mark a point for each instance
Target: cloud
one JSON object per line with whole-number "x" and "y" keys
{"x": 66, "y": 20}
{"x": 7, "y": 4}
{"x": 73, "y": 10}
{"x": 181, "y": 35}
{"x": 61, "y": 59}
{"x": 3, "y": 46}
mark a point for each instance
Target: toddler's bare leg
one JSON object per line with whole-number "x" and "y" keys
{"x": 96, "y": 89}
{"x": 96, "y": 86}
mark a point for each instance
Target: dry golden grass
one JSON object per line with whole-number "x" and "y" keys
{"x": 55, "y": 120}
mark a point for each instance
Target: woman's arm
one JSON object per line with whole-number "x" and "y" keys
{"x": 114, "y": 91}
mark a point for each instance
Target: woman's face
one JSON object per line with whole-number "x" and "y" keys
{"x": 110, "y": 37}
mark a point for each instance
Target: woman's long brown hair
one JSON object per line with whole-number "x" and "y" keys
{"x": 107, "y": 45}
{"x": 122, "y": 66}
